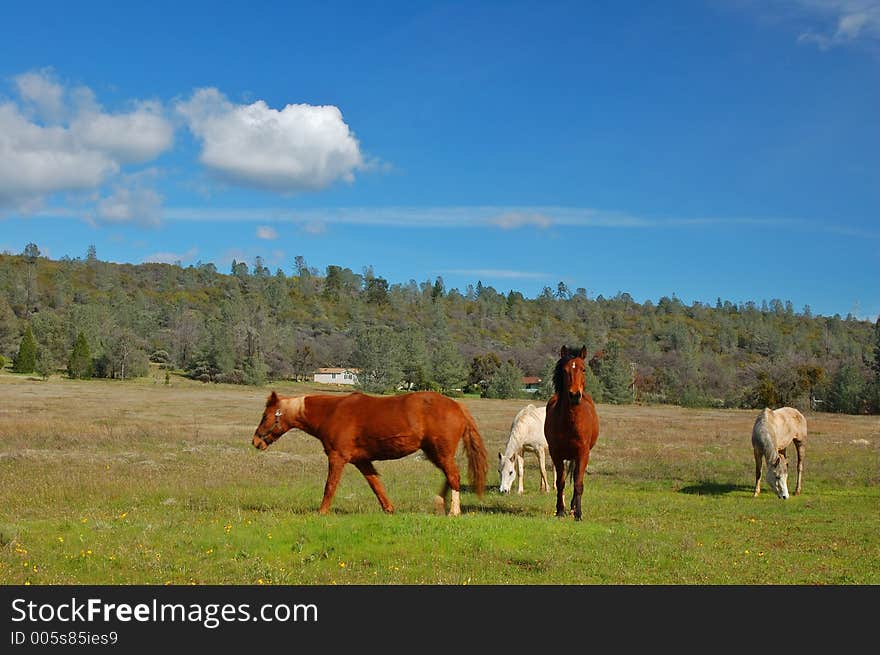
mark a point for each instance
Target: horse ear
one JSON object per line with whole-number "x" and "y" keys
{"x": 583, "y": 353}
{"x": 272, "y": 399}
{"x": 563, "y": 352}
{"x": 500, "y": 455}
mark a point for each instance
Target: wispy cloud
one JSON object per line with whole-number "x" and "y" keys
{"x": 171, "y": 257}
{"x": 496, "y": 273}
{"x": 514, "y": 219}
{"x": 417, "y": 217}
{"x": 267, "y": 232}
{"x": 317, "y": 221}
{"x": 850, "y": 21}
{"x": 825, "y": 24}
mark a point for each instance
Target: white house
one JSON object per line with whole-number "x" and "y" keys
{"x": 337, "y": 375}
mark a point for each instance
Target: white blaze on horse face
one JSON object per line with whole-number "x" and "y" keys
{"x": 777, "y": 477}
{"x": 506, "y": 474}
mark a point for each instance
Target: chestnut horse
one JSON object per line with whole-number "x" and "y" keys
{"x": 571, "y": 426}
{"x": 358, "y": 429}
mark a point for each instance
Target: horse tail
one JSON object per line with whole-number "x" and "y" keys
{"x": 476, "y": 454}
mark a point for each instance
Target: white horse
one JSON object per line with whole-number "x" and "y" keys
{"x": 526, "y": 435}
{"x": 773, "y": 431}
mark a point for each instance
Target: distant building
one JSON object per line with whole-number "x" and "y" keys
{"x": 337, "y": 375}
{"x": 531, "y": 384}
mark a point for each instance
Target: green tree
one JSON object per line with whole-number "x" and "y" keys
{"x": 45, "y": 364}
{"x": 615, "y": 374}
{"x": 809, "y": 377}
{"x": 80, "y": 363}
{"x": 874, "y": 393}
{"x": 31, "y": 254}
{"x": 506, "y": 383}
{"x": 415, "y": 361}
{"x": 448, "y": 368}
{"x": 377, "y": 355}
{"x": 483, "y": 369}
{"x": 846, "y": 391}
{"x": 26, "y": 359}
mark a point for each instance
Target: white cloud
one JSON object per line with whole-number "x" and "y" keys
{"x": 131, "y": 201}
{"x": 132, "y": 138}
{"x": 267, "y": 232}
{"x": 71, "y": 144}
{"x": 513, "y": 219}
{"x": 36, "y": 161}
{"x": 496, "y": 273}
{"x": 314, "y": 227}
{"x": 170, "y": 257}
{"x": 420, "y": 217}
{"x": 299, "y": 148}
{"x": 840, "y": 22}
{"x": 42, "y": 93}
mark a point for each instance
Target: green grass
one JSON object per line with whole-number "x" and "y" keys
{"x": 138, "y": 483}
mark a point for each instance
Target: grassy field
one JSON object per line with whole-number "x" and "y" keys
{"x": 141, "y": 483}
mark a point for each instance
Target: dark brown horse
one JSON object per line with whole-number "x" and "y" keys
{"x": 571, "y": 426}
{"x": 358, "y": 429}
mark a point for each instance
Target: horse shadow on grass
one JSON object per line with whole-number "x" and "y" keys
{"x": 713, "y": 488}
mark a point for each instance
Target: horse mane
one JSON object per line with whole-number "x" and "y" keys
{"x": 559, "y": 371}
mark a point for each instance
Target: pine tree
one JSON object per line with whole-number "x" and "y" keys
{"x": 45, "y": 365}
{"x": 846, "y": 390}
{"x": 80, "y": 363}
{"x": 874, "y": 393}
{"x": 377, "y": 355}
{"x": 26, "y": 360}
{"x": 506, "y": 383}
{"x": 615, "y": 375}
{"x": 875, "y": 368}
{"x": 448, "y": 368}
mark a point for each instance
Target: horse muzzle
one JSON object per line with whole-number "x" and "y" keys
{"x": 259, "y": 444}
{"x": 575, "y": 397}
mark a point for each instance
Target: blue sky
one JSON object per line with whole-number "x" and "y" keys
{"x": 704, "y": 149}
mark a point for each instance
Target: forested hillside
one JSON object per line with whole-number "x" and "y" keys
{"x": 93, "y": 318}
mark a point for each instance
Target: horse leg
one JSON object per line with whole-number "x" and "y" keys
{"x": 801, "y": 451}
{"x": 520, "y": 465}
{"x": 553, "y": 468}
{"x": 440, "y": 499}
{"x": 757, "y": 454}
{"x": 335, "y": 464}
{"x": 578, "y": 485}
{"x": 559, "y": 467}
{"x": 372, "y": 475}
{"x": 446, "y": 463}
{"x": 541, "y": 462}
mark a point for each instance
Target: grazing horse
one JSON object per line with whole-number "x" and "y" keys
{"x": 571, "y": 427}
{"x": 771, "y": 434}
{"x": 358, "y": 429}
{"x": 526, "y": 435}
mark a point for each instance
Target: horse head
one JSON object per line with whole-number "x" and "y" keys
{"x": 506, "y": 472}
{"x": 777, "y": 475}
{"x": 279, "y": 416}
{"x": 570, "y": 375}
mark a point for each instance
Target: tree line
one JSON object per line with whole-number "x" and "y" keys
{"x": 86, "y": 317}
